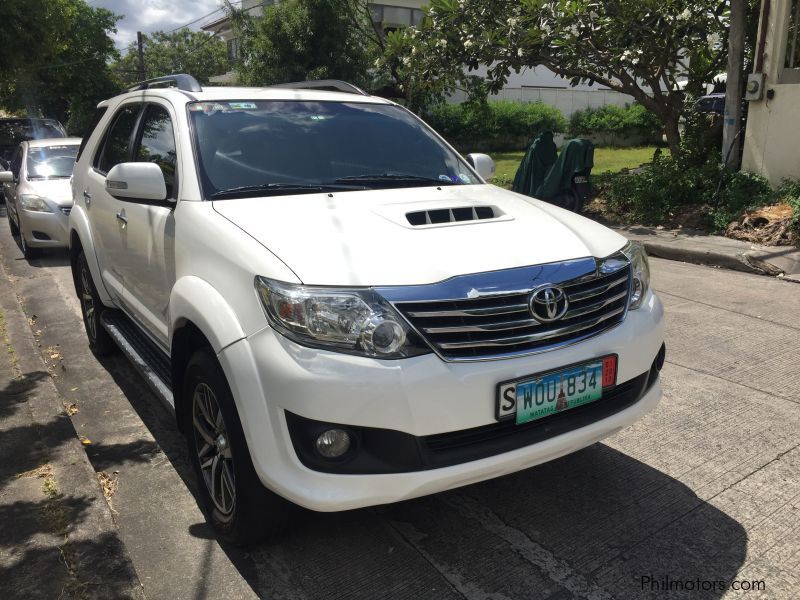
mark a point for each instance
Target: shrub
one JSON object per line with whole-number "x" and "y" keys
{"x": 649, "y": 196}
{"x": 789, "y": 192}
{"x": 633, "y": 119}
{"x": 494, "y": 126}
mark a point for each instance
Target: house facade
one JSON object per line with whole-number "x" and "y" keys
{"x": 773, "y": 123}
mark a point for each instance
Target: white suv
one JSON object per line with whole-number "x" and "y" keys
{"x": 338, "y": 307}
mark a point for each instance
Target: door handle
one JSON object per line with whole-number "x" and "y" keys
{"x": 122, "y": 218}
{"x": 87, "y": 198}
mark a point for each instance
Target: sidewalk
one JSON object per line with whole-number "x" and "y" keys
{"x": 58, "y": 538}
{"x": 713, "y": 250}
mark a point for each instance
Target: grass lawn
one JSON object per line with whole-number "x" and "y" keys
{"x": 605, "y": 159}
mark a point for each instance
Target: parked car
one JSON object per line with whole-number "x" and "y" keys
{"x": 338, "y": 307}
{"x": 38, "y": 195}
{"x": 15, "y": 130}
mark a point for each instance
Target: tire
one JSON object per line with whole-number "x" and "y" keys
{"x": 27, "y": 251}
{"x": 237, "y": 505}
{"x": 100, "y": 343}
{"x": 11, "y": 225}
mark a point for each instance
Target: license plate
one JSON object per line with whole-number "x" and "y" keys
{"x": 544, "y": 394}
{"x": 580, "y": 179}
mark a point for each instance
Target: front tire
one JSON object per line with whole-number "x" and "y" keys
{"x": 27, "y": 251}
{"x": 100, "y": 342}
{"x": 238, "y": 506}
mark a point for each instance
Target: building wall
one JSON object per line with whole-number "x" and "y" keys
{"x": 773, "y": 125}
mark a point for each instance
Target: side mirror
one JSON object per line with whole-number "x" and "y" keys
{"x": 137, "y": 181}
{"x": 6, "y": 177}
{"x": 483, "y": 164}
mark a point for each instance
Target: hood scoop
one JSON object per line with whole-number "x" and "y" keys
{"x": 439, "y": 216}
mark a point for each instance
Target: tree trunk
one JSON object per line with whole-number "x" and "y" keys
{"x": 672, "y": 131}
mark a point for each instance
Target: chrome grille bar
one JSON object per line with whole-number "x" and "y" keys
{"x": 488, "y": 316}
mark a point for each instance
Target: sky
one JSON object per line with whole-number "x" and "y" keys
{"x": 155, "y": 15}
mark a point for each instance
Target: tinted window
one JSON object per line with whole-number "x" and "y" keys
{"x": 51, "y": 162}
{"x": 117, "y": 145}
{"x": 318, "y": 143}
{"x": 98, "y": 114}
{"x": 158, "y": 143}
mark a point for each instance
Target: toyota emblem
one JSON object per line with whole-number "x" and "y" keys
{"x": 548, "y": 303}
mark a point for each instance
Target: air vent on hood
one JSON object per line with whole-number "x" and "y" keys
{"x": 452, "y": 215}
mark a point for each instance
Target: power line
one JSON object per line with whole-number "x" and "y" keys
{"x": 203, "y": 17}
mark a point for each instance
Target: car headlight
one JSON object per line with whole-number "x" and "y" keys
{"x": 640, "y": 270}
{"x": 355, "y": 321}
{"x": 34, "y": 203}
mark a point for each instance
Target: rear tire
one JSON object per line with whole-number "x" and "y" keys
{"x": 237, "y": 505}
{"x": 100, "y": 342}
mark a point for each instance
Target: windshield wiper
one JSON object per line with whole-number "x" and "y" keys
{"x": 279, "y": 189}
{"x": 394, "y": 178}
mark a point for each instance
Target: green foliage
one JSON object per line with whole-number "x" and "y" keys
{"x": 649, "y": 196}
{"x": 789, "y": 192}
{"x": 184, "y": 51}
{"x": 55, "y": 59}
{"x": 631, "y": 120}
{"x": 635, "y": 47}
{"x": 501, "y": 125}
{"x": 297, "y": 40}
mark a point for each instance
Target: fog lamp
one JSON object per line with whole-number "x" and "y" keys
{"x": 333, "y": 443}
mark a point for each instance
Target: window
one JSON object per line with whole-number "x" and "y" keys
{"x": 51, "y": 162}
{"x": 233, "y": 50}
{"x": 158, "y": 144}
{"x": 16, "y": 162}
{"x": 116, "y": 148}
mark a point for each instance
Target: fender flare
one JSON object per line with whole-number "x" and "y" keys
{"x": 79, "y": 225}
{"x": 194, "y": 299}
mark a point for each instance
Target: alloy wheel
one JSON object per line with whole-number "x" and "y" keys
{"x": 214, "y": 454}
{"x": 87, "y": 302}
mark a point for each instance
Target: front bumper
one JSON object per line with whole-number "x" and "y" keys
{"x": 45, "y": 230}
{"x": 421, "y": 396}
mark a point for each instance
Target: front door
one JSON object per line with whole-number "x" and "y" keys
{"x": 149, "y": 268}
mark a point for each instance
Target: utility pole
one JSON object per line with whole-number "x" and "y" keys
{"x": 731, "y": 141}
{"x": 142, "y": 74}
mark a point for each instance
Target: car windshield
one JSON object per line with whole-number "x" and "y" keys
{"x": 262, "y": 148}
{"x": 51, "y": 162}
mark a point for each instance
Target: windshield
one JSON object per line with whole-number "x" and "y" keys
{"x": 51, "y": 162}
{"x": 259, "y": 148}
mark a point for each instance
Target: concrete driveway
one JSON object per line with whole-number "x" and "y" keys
{"x": 703, "y": 491}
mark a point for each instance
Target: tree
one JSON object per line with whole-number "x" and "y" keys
{"x": 197, "y": 53}
{"x": 637, "y": 47}
{"x": 63, "y": 73}
{"x": 297, "y": 40}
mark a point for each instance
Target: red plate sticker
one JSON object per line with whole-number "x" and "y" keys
{"x": 609, "y": 371}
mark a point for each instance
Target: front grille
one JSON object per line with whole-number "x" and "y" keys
{"x": 501, "y": 324}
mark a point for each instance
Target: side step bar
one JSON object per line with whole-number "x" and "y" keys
{"x": 147, "y": 358}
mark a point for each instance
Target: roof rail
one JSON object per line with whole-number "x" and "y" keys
{"x": 182, "y": 81}
{"x": 330, "y": 85}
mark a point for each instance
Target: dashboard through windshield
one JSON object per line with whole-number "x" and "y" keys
{"x": 263, "y": 148}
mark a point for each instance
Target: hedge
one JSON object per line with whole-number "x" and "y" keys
{"x": 494, "y": 126}
{"x": 633, "y": 119}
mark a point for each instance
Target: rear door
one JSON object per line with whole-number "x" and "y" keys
{"x": 106, "y": 213}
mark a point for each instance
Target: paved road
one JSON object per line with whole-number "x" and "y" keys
{"x": 706, "y": 487}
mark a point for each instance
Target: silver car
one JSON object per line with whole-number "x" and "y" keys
{"x": 38, "y": 195}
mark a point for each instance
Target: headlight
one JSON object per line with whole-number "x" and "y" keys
{"x": 640, "y": 269}
{"x": 355, "y": 321}
{"x": 34, "y": 203}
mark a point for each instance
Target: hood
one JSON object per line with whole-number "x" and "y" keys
{"x": 365, "y": 238}
{"x": 57, "y": 190}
